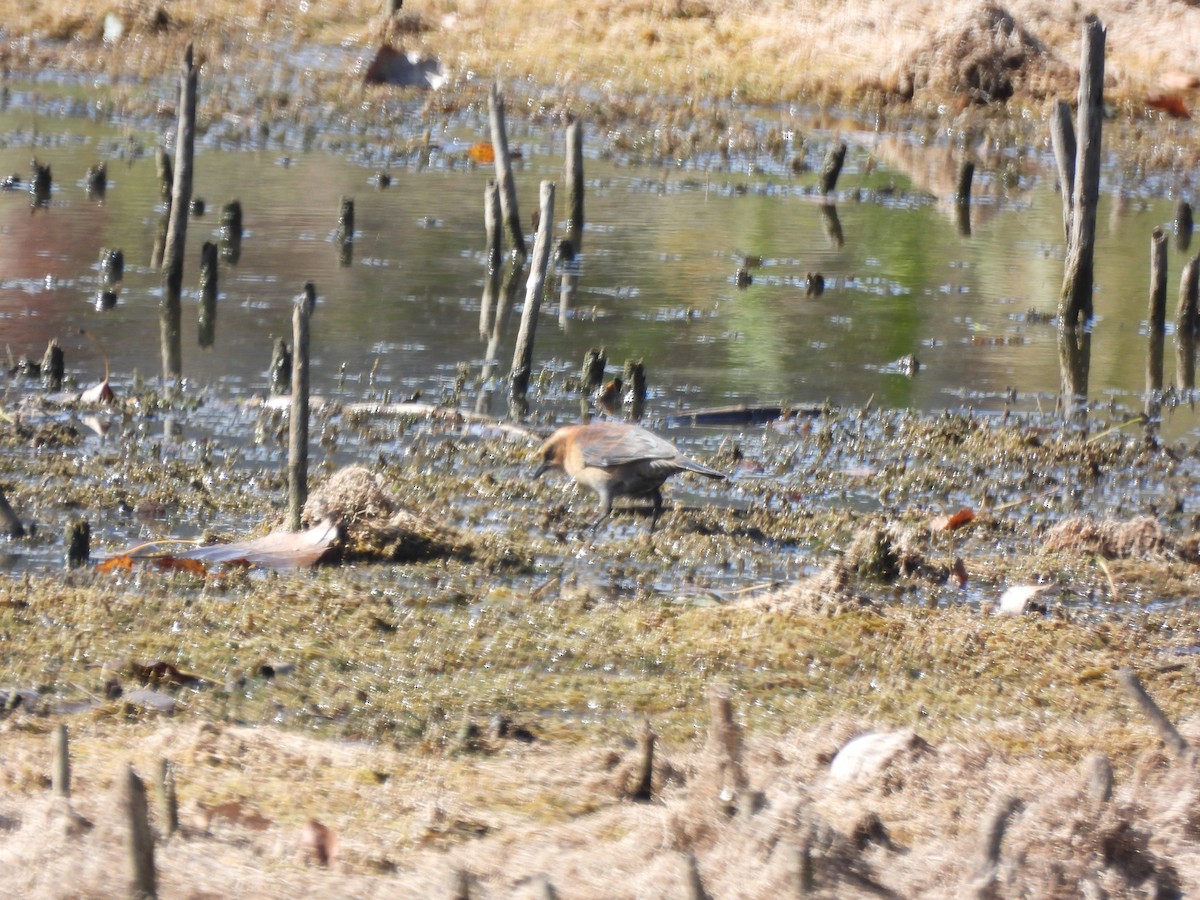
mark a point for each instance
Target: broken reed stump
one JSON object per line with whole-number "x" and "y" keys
{"x": 1185, "y": 325}
{"x": 10, "y": 523}
{"x": 522, "y": 364}
{"x": 962, "y": 198}
{"x": 573, "y": 176}
{"x": 298, "y": 417}
{"x": 167, "y": 797}
{"x": 165, "y": 171}
{"x": 60, "y": 774}
{"x": 725, "y": 744}
{"x": 992, "y": 833}
{"x": 230, "y": 234}
{"x": 112, "y": 265}
{"x": 1128, "y": 680}
{"x": 281, "y": 368}
{"x": 831, "y": 168}
{"x": 1182, "y": 224}
{"x": 504, "y": 176}
{"x": 79, "y": 543}
{"x": 96, "y": 181}
{"x": 1157, "y": 315}
{"x": 635, "y": 379}
{"x": 591, "y": 376}
{"x": 644, "y": 791}
{"x": 693, "y": 883}
{"x": 208, "y": 294}
{"x": 181, "y": 196}
{"x": 40, "y": 184}
{"x": 1075, "y": 301}
{"x": 53, "y": 366}
{"x": 345, "y": 225}
{"x": 141, "y": 840}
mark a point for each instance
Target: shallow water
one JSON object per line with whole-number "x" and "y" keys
{"x": 905, "y": 275}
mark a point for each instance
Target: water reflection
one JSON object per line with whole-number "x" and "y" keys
{"x": 902, "y": 277}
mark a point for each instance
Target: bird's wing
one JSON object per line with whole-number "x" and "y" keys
{"x": 616, "y": 446}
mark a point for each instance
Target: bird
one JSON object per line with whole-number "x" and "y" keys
{"x": 615, "y": 459}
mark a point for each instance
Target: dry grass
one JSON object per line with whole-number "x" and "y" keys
{"x": 762, "y": 52}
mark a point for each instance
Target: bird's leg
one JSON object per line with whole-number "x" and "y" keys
{"x": 606, "y": 502}
{"x": 656, "y": 499}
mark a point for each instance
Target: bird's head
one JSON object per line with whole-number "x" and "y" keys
{"x": 553, "y": 452}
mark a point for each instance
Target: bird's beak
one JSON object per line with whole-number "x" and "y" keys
{"x": 540, "y": 470}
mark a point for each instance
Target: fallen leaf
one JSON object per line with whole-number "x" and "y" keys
{"x": 277, "y": 550}
{"x": 1171, "y": 104}
{"x": 181, "y": 564}
{"x": 482, "y": 152}
{"x": 956, "y": 520}
{"x": 164, "y": 673}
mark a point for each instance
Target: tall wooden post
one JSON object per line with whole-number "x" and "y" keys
{"x": 1075, "y": 302}
{"x": 534, "y": 288}
{"x": 298, "y": 416}
{"x": 574, "y": 179}
{"x": 504, "y": 176}
{"x": 181, "y": 198}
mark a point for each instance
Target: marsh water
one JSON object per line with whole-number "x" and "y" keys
{"x": 908, "y": 275}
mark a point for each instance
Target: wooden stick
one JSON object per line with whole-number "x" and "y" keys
{"x": 298, "y": 418}
{"x": 208, "y": 293}
{"x": 523, "y": 354}
{"x": 165, "y": 172}
{"x": 79, "y": 543}
{"x": 1157, "y": 311}
{"x": 574, "y": 179}
{"x": 1075, "y": 301}
{"x": 1185, "y": 325}
{"x": 725, "y": 742}
{"x": 168, "y": 798}
{"x": 1062, "y": 138}
{"x": 504, "y": 176}
{"x": 1166, "y": 730}
{"x": 141, "y": 839}
{"x": 181, "y": 198}
{"x": 60, "y": 776}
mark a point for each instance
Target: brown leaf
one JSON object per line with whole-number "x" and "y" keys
{"x": 277, "y": 550}
{"x": 957, "y": 520}
{"x": 1171, "y": 104}
{"x": 180, "y": 564}
{"x": 164, "y": 673}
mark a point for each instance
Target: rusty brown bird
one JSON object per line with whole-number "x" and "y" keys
{"x": 614, "y": 459}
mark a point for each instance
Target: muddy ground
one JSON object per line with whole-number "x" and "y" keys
{"x": 475, "y": 725}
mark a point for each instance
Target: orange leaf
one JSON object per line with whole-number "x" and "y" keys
{"x": 176, "y": 564}
{"x": 1171, "y": 104}
{"x": 482, "y": 152}
{"x": 957, "y": 520}
{"x": 121, "y": 563}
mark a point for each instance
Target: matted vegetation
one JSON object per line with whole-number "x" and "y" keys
{"x": 443, "y": 718}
